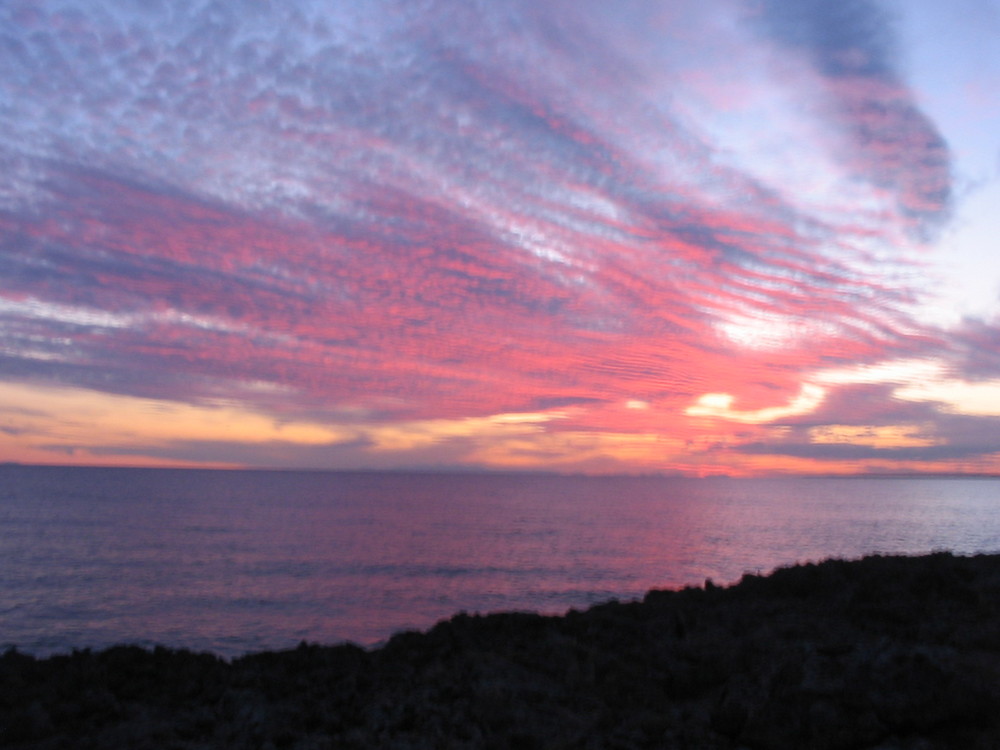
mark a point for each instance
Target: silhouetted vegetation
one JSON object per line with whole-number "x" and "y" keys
{"x": 884, "y": 652}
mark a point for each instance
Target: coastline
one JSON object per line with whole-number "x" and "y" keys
{"x": 881, "y": 652}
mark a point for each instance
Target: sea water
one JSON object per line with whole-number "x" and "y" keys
{"x": 240, "y": 561}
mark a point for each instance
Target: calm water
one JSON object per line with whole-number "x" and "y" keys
{"x": 242, "y": 561}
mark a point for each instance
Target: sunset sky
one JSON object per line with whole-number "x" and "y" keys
{"x": 737, "y": 236}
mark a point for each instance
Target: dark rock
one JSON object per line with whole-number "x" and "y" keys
{"x": 883, "y": 652}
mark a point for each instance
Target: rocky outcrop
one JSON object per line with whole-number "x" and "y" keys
{"x": 883, "y": 652}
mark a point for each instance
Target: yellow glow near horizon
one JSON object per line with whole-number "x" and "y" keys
{"x": 579, "y": 448}
{"x": 405, "y": 436}
{"x": 59, "y": 417}
{"x": 51, "y": 424}
{"x": 875, "y": 436}
{"x": 958, "y": 396}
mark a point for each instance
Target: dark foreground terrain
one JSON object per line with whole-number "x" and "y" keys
{"x": 885, "y": 652}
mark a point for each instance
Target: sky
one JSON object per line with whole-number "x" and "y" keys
{"x": 741, "y": 237}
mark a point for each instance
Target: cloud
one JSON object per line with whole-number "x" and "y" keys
{"x": 857, "y": 452}
{"x": 842, "y": 39}
{"x": 865, "y": 405}
{"x": 386, "y": 225}
{"x": 926, "y": 421}
{"x": 888, "y": 141}
{"x": 976, "y": 349}
{"x": 719, "y": 406}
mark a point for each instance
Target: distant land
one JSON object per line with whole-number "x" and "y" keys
{"x": 474, "y": 470}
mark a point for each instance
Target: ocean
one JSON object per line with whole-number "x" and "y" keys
{"x": 239, "y": 561}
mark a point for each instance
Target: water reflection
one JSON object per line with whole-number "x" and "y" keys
{"x": 238, "y": 561}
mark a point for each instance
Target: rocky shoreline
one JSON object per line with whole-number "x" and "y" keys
{"x": 883, "y": 652}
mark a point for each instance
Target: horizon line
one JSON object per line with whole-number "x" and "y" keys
{"x": 485, "y": 471}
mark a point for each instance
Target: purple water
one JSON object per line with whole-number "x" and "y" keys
{"x": 232, "y": 562}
